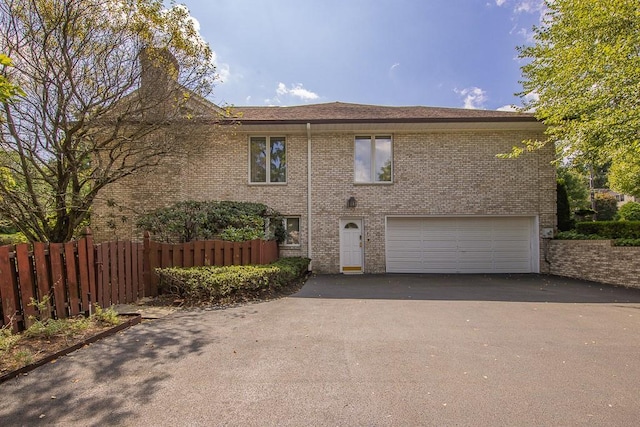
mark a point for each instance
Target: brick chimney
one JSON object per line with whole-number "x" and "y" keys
{"x": 159, "y": 73}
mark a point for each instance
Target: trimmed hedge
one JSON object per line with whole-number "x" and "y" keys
{"x": 610, "y": 229}
{"x": 211, "y": 283}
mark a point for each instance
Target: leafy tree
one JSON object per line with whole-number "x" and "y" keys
{"x": 606, "y": 206}
{"x": 384, "y": 174}
{"x": 630, "y": 211}
{"x": 565, "y": 222}
{"x": 577, "y": 186}
{"x": 582, "y": 79}
{"x": 102, "y": 80}
{"x": 7, "y": 89}
{"x": 624, "y": 176}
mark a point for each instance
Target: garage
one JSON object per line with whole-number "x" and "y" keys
{"x": 461, "y": 245}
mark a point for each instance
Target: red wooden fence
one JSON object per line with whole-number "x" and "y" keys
{"x": 77, "y": 274}
{"x": 204, "y": 252}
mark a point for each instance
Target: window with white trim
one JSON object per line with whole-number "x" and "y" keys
{"x": 292, "y": 230}
{"x": 267, "y": 159}
{"x": 373, "y": 159}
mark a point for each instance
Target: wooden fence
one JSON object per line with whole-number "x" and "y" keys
{"x": 75, "y": 275}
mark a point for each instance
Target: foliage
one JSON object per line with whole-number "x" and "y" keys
{"x": 226, "y": 220}
{"x": 12, "y": 239}
{"x": 610, "y": 229}
{"x": 44, "y": 328}
{"x": 630, "y": 211}
{"x": 626, "y": 242}
{"x": 606, "y": 206}
{"x": 577, "y": 186}
{"x": 101, "y": 80}
{"x": 565, "y": 222}
{"x": 207, "y": 284}
{"x": 581, "y": 79}
{"x": 574, "y": 235}
{"x": 108, "y": 317}
{"x": 233, "y": 234}
{"x": 624, "y": 176}
{"x": 8, "y": 90}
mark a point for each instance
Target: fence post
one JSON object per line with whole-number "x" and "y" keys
{"x": 150, "y": 285}
{"x": 94, "y": 271}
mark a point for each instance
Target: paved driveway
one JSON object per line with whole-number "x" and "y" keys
{"x": 361, "y": 350}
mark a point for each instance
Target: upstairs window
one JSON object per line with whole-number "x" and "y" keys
{"x": 373, "y": 159}
{"x": 267, "y": 159}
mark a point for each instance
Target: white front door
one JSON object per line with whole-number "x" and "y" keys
{"x": 351, "y": 245}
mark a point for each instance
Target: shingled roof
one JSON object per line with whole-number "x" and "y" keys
{"x": 340, "y": 112}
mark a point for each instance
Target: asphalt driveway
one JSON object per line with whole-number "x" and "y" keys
{"x": 361, "y": 350}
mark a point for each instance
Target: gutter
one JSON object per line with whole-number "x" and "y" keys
{"x": 309, "y": 199}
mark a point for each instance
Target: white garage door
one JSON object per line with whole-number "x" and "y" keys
{"x": 459, "y": 245}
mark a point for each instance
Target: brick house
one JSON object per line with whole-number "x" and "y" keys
{"x": 367, "y": 188}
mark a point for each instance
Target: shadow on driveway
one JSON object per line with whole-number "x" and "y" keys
{"x": 459, "y": 287}
{"x": 105, "y": 380}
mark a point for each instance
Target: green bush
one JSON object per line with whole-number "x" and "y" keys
{"x": 629, "y": 211}
{"x": 210, "y": 283}
{"x": 626, "y": 242}
{"x": 12, "y": 239}
{"x": 574, "y": 235}
{"x": 606, "y": 206}
{"x": 610, "y": 229}
{"x": 226, "y": 220}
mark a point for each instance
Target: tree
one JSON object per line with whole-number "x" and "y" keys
{"x": 565, "y": 222}
{"x": 7, "y": 89}
{"x": 606, "y": 206}
{"x": 576, "y": 185}
{"x": 102, "y": 81}
{"x": 630, "y": 211}
{"x": 624, "y": 177}
{"x": 582, "y": 79}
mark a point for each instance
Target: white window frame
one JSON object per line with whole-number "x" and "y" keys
{"x": 284, "y": 221}
{"x": 268, "y": 160}
{"x": 373, "y": 170}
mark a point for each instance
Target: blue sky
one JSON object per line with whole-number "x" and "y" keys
{"x": 447, "y": 53}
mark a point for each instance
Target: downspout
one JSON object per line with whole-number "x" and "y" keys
{"x": 309, "y": 251}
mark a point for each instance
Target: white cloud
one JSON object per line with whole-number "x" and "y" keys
{"x": 394, "y": 66}
{"x": 294, "y": 91}
{"x": 508, "y": 108}
{"x": 532, "y": 96}
{"x": 302, "y": 93}
{"x": 474, "y": 97}
{"x": 524, "y": 6}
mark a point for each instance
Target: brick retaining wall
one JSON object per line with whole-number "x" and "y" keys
{"x": 595, "y": 260}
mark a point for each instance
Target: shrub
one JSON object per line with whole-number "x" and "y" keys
{"x": 606, "y": 206}
{"x": 610, "y": 229}
{"x": 565, "y": 222}
{"x": 211, "y": 283}
{"x": 626, "y": 242}
{"x": 12, "y": 239}
{"x": 574, "y": 235}
{"x": 191, "y": 220}
{"x": 629, "y": 211}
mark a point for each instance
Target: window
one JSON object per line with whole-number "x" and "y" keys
{"x": 373, "y": 159}
{"x": 292, "y": 228}
{"x": 267, "y": 159}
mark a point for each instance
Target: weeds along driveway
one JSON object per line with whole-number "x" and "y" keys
{"x": 361, "y": 350}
